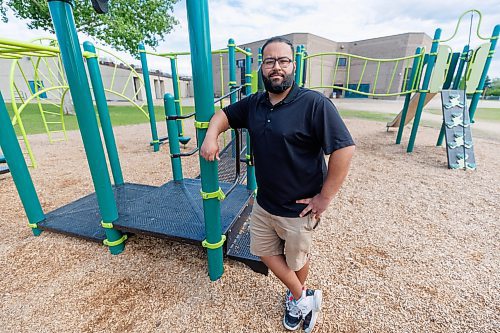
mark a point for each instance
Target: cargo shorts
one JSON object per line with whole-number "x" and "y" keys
{"x": 272, "y": 235}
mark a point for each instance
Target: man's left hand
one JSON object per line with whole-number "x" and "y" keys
{"x": 316, "y": 205}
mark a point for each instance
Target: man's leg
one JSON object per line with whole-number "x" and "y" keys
{"x": 277, "y": 264}
{"x": 302, "y": 273}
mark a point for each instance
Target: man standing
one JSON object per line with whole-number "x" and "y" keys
{"x": 291, "y": 129}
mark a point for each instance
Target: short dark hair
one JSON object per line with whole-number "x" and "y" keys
{"x": 278, "y": 39}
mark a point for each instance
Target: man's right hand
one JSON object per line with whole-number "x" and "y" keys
{"x": 210, "y": 149}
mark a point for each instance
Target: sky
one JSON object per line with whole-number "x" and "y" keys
{"x": 247, "y": 21}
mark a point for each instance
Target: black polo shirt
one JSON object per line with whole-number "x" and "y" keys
{"x": 289, "y": 141}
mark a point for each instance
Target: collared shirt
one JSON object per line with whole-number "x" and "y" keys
{"x": 289, "y": 141}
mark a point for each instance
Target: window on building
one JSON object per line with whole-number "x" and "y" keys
{"x": 342, "y": 62}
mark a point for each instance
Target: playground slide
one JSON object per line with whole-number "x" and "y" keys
{"x": 412, "y": 109}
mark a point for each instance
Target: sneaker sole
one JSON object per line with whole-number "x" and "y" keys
{"x": 318, "y": 299}
{"x": 291, "y": 328}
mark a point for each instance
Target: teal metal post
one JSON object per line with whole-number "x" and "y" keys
{"x": 232, "y": 68}
{"x": 423, "y": 92}
{"x": 231, "y": 56}
{"x": 298, "y": 64}
{"x": 19, "y": 170}
{"x": 102, "y": 109}
{"x": 449, "y": 82}
{"x": 251, "y": 181}
{"x": 149, "y": 97}
{"x": 413, "y": 75}
{"x": 248, "y": 72}
{"x": 461, "y": 67}
{"x": 480, "y": 86}
{"x": 64, "y": 26}
{"x": 172, "y": 130}
{"x": 260, "y": 83}
{"x": 201, "y": 61}
{"x": 177, "y": 100}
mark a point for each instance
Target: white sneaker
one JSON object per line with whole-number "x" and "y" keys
{"x": 293, "y": 316}
{"x": 310, "y": 306}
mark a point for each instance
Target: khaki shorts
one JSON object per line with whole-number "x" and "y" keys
{"x": 272, "y": 235}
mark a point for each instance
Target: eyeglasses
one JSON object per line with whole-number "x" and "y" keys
{"x": 269, "y": 63}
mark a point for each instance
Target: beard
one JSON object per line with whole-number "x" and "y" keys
{"x": 277, "y": 88}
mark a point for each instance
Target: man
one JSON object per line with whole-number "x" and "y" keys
{"x": 291, "y": 129}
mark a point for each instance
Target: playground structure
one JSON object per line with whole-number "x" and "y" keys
{"x": 425, "y": 75}
{"x": 47, "y": 87}
{"x": 175, "y": 210}
{"x": 3, "y": 169}
{"x": 43, "y": 85}
{"x": 173, "y": 59}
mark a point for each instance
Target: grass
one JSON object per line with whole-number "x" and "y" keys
{"x": 120, "y": 115}
{"x": 129, "y": 115}
{"x": 368, "y": 115}
{"x": 481, "y": 114}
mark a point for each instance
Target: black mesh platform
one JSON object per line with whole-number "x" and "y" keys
{"x": 239, "y": 249}
{"x": 82, "y": 218}
{"x": 175, "y": 211}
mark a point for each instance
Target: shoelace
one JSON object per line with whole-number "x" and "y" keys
{"x": 292, "y": 308}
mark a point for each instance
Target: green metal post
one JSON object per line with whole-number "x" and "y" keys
{"x": 102, "y": 109}
{"x": 298, "y": 64}
{"x": 231, "y": 56}
{"x": 447, "y": 84}
{"x": 259, "y": 71}
{"x": 303, "y": 53}
{"x": 172, "y": 130}
{"x": 177, "y": 100}
{"x": 251, "y": 181}
{"x": 455, "y": 85}
{"x": 461, "y": 67}
{"x": 423, "y": 92}
{"x": 232, "y": 68}
{"x": 248, "y": 72}
{"x": 64, "y": 26}
{"x": 19, "y": 170}
{"x": 413, "y": 76}
{"x": 149, "y": 97}
{"x": 201, "y": 61}
{"x": 480, "y": 87}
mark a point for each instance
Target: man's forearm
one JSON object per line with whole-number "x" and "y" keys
{"x": 338, "y": 168}
{"x": 218, "y": 124}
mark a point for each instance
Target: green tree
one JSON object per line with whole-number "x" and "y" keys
{"x": 127, "y": 23}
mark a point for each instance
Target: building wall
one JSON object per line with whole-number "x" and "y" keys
{"x": 124, "y": 83}
{"x": 388, "y": 47}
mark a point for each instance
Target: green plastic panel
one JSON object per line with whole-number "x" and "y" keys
{"x": 440, "y": 69}
{"x": 476, "y": 68}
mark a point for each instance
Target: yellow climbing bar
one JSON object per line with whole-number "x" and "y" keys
{"x": 107, "y": 225}
{"x": 201, "y": 124}
{"x": 214, "y": 246}
{"x": 116, "y": 242}
{"x": 213, "y": 195}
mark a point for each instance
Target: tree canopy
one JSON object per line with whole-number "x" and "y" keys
{"x": 127, "y": 23}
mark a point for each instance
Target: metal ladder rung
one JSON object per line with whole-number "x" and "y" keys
{"x": 57, "y": 131}
{"x": 50, "y": 112}
{"x": 53, "y": 122}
